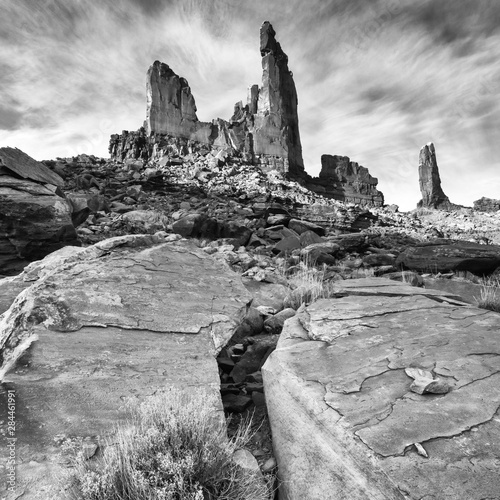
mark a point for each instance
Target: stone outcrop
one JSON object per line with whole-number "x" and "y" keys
{"x": 126, "y": 318}
{"x": 171, "y": 108}
{"x": 487, "y": 205}
{"x": 35, "y": 218}
{"x": 430, "y": 182}
{"x": 276, "y": 125}
{"x": 265, "y": 130}
{"x": 441, "y": 255}
{"x": 345, "y": 180}
{"x": 346, "y": 417}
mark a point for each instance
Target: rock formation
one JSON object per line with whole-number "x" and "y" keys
{"x": 347, "y": 418}
{"x": 487, "y": 205}
{"x": 265, "y": 130}
{"x": 345, "y": 180}
{"x": 430, "y": 182}
{"x": 441, "y": 255}
{"x": 35, "y": 218}
{"x": 276, "y": 124}
{"x": 170, "y": 105}
{"x": 126, "y": 318}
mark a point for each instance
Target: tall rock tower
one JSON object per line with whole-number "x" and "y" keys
{"x": 265, "y": 130}
{"x": 430, "y": 182}
{"x": 276, "y": 122}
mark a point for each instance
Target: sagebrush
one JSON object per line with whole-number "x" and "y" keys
{"x": 174, "y": 448}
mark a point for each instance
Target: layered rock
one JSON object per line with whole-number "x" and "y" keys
{"x": 124, "y": 319}
{"x": 441, "y": 255}
{"x": 265, "y": 130}
{"x": 35, "y": 218}
{"x": 487, "y": 205}
{"x": 276, "y": 124}
{"x": 345, "y": 180}
{"x": 171, "y": 108}
{"x": 430, "y": 182}
{"x": 350, "y": 422}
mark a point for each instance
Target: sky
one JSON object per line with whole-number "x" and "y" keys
{"x": 376, "y": 79}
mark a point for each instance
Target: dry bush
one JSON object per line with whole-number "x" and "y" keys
{"x": 175, "y": 448}
{"x": 307, "y": 282}
{"x": 490, "y": 294}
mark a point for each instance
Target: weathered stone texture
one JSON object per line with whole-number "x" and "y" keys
{"x": 443, "y": 255}
{"x": 345, "y": 180}
{"x": 487, "y": 205}
{"x": 125, "y": 318}
{"x": 345, "y": 422}
{"x": 35, "y": 218}
{"x": 430, "y": 182}
{"x": 265, "y": 130}
{"x": 276, "y": 124}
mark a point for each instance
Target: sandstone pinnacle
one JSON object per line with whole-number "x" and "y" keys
{"x": 430, "y": 182}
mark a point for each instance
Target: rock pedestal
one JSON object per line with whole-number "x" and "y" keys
{"x": 430, "y": 182}
{"x": 348, "y": 421}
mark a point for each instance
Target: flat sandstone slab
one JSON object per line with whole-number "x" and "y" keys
{"x": 118, "y": 321}
{"x": 344, "y": 420}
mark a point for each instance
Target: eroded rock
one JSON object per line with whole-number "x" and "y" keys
{"x": 346, "y": 423}
{"x": 125, "y": 318}
{"x": 35, "y": 218}
{"x": 430, "y": 182}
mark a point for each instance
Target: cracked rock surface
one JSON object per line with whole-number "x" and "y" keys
{"x": 95, "y": 327}
{"x": 336, "y": 387}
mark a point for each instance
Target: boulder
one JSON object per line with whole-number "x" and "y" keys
{"x": 450, "y": 255}
{"x": 236, "y": 232}
{"x": 35, "y": 218}
{"x": 14, "y": 161}
{"x": 123, "y": 319}
{"x": 346, "y": 423}
{"x": 301, "y": 226}
{"x": 430, "y": 182}
{"x": 379, "y": 259}
{"x": 310, "y": 238}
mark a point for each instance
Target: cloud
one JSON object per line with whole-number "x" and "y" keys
{"x": 375, "y": 80}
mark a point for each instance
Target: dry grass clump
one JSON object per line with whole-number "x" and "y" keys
{"x": 490, "y": 294}
{"x": 175, "y": 448}
{"x": 307, "y": 282}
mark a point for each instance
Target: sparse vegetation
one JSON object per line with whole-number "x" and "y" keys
{"x": 308, "y": 283}
{"x": 175, "y": 448}
{"x": 490, "y": 294}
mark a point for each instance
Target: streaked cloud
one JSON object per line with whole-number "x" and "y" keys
{"x": 376, "y": 80}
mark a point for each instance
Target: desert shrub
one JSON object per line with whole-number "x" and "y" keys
{"x": 307, "y": 283}
{"x": 174, "y": 448}
{"x": 490, "y": 294}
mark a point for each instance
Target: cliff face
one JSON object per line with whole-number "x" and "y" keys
{"x": 171, "y": 108}
{"x": 265, "y": 130}
{"x": 430, "y": 182}
{"x": 345, "y": 180}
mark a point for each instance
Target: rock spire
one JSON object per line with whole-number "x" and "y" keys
{"x": 430, "y": 182}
